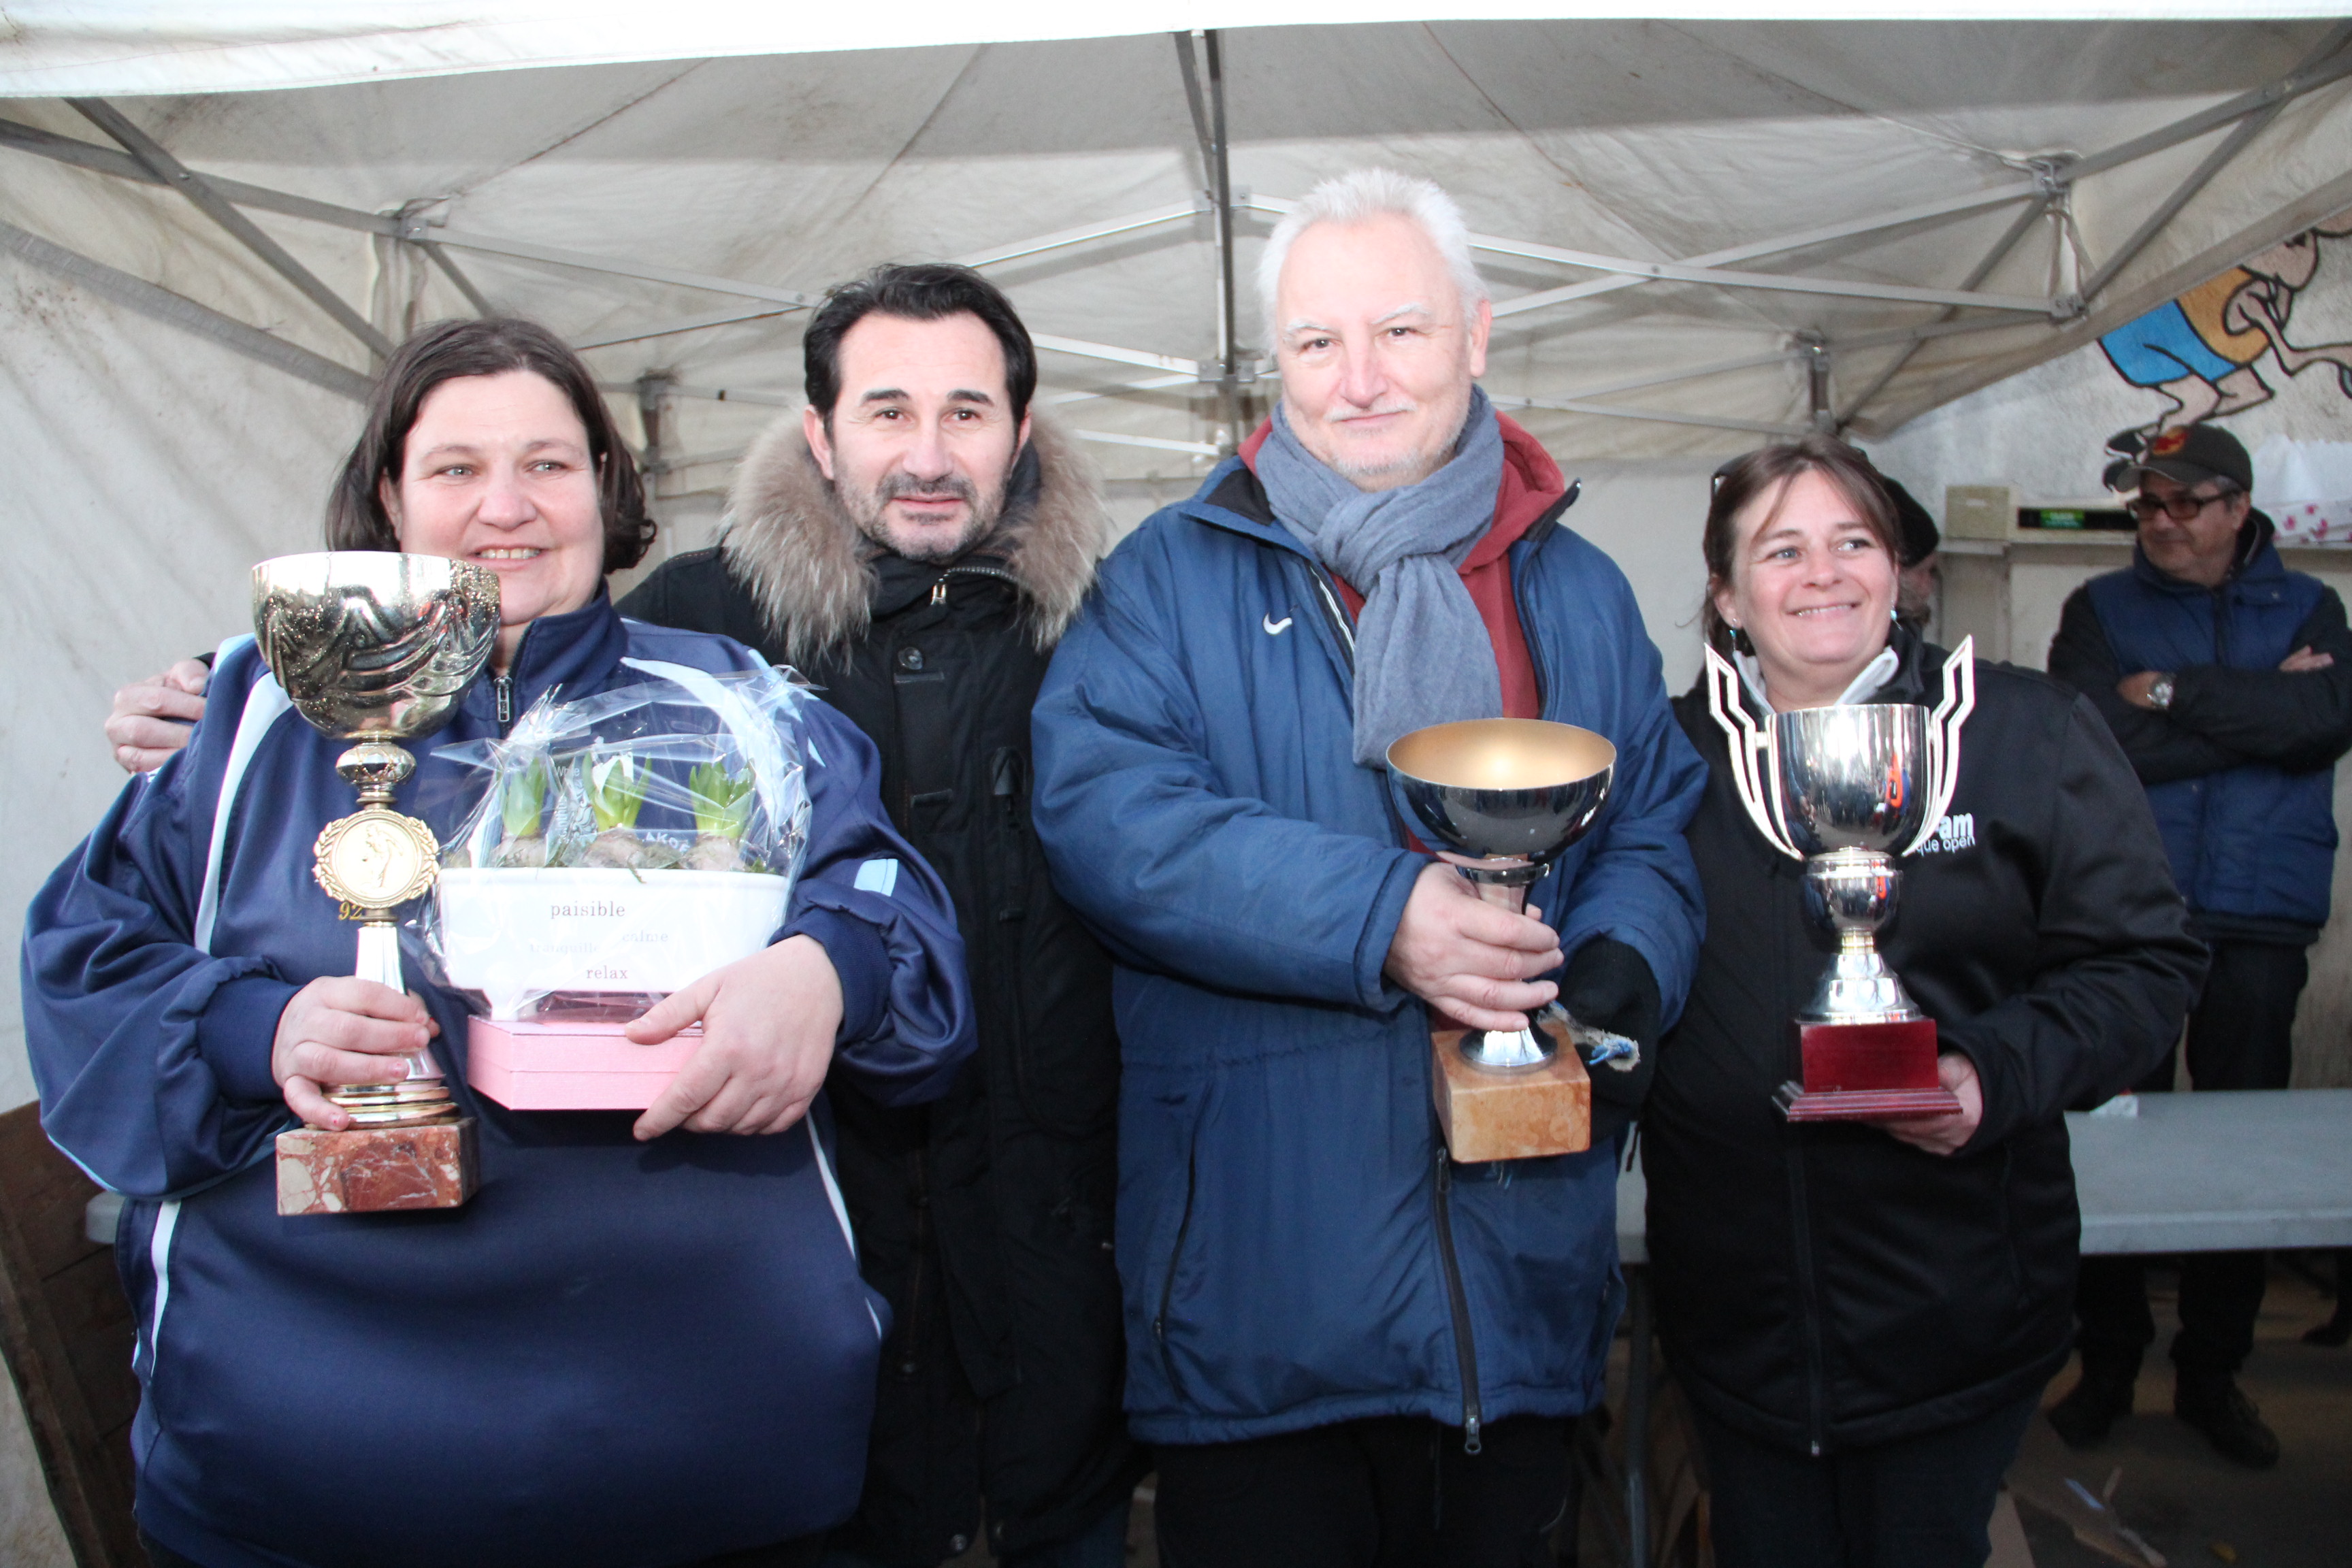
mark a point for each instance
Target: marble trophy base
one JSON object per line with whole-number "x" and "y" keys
{"x": 1518, "y": 1113}
{"x": 1866, "y": 1072}
{"x": 373, "y": 1170}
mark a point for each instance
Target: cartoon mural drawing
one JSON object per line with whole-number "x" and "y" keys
{"x": 2202, "y": 349}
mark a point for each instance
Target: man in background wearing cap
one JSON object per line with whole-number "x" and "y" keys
{"x": 1915, "y": 585}
{"x": 2229, "y": 681}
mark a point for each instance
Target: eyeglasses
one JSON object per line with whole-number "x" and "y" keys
{"x": 2179, "y": 506}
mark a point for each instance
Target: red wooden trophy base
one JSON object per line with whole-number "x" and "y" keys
{"x": 1867, "y": 1072}
{"x": 1516, "y": 1115}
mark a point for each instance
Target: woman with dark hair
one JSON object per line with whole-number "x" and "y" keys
{"x": 1862, "y": 1315}
{"x": 644, "y": 1342}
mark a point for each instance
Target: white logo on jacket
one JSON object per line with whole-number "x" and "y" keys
{"x": 1275, "y": 628}
{"x": 1958, "y": 831}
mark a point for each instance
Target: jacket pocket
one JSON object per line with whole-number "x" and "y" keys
{"x": 1159, "y": 1190}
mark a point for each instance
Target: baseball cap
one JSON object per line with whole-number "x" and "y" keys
{"x": 2187, "y": 454}
{"x": 1920, "y": 537}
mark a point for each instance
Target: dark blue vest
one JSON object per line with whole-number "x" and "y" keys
{"x": 2254, "y": 842}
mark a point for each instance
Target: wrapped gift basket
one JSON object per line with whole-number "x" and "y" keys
{"x": 624, "y": 845}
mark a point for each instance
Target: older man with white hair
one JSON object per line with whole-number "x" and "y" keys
{"x": 1348, "y": 1349}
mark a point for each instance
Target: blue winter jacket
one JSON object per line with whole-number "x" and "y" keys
{"x": 2240, "y": 769}
{"x": 617, "y": 1354}
{"x": 1293, "y": 1247}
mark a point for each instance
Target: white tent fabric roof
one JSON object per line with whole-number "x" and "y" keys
{"x": 147, "y": 47}
{"x": 1753, "y": 170}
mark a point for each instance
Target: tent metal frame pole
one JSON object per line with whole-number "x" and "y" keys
{"x": 222, "y": 211}
{"x": 178, "y": 311}
{"x": 682, "y": 325}
{"x": 1017, "y": 250}
{"x": 1983, "y": 269}
{"x": 1150, "y": 442}
{"x": 1681, "y": 272}
{"x": 1951, "y": 206}
{"x": 1208, "y": 111}
{"x": 2320, "y": 68}
{"x": 2253, "y": 123}
{"x": 121, "y": 165}
{"x": 1114, "y": 354}
{"x": 1695, "y": 372}
{"x": 1655, "y": 415}
{"x": 458, "y": 278}
{"x": 1815, "y": 349}
{"x": 1889, "y": 335}
{"x": 1151, "y": 383}
{"x": 1229, "y": 392}
{"x": 555, "y": 256}
{"x": 1083, "y": 234}
{"x": 1190, "y": 67}
{"x": 758, "y": 396}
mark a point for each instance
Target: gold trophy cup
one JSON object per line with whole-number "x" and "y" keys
{"x": 376, "y": 648}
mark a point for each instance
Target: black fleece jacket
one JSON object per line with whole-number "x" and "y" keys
{"x": 1824, "y": 1285}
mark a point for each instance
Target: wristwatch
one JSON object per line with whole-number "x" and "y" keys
{"x": 2159, "y": 693}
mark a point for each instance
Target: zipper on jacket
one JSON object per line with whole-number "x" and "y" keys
{"x": 1168, "y": 1285}
{"x": 1534, "y": 646}
{"x": 504, "y": 686}
{"x": 1334, "y": 614}
{"x": 910, "y": 1332}
{"x": 1466, "y": 1352}
{"x": 1809, "y": 1295}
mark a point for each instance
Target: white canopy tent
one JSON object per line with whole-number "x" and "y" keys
{"x": 1700, "y": 232}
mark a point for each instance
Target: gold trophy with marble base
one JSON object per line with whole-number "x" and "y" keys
{"x": 376, "y": 648}
{"x": 1508, "y": 796}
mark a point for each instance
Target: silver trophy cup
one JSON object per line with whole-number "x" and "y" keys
{"x": 377, "y": 647}
{"x": 1508, "y": 796}
{"x": 1851, "y": 784}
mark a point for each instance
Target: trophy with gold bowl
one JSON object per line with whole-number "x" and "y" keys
{"x": 1507, "y": 797}
{"x": 377, "y": 647}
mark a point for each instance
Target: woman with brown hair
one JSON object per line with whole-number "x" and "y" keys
{"x": 1863, "y": 1315}
{"x": 644, "y": 1343}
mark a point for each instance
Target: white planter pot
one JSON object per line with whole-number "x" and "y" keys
{"x": 517, "y": 935}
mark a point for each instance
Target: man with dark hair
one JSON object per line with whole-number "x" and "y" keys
{"x": 915, "y": 542}
{"x": 2229, "y": 681}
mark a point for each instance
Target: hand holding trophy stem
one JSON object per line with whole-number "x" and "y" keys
{"x": 377, "y": 647}
{"x": 1507, "y": 797}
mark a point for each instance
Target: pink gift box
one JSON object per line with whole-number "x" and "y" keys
{"x": 570, "y": 1066}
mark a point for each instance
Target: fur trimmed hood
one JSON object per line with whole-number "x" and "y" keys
{"x": 787, "y": 539}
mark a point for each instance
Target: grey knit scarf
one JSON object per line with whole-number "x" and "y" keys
{"x": 1423, "y": 654}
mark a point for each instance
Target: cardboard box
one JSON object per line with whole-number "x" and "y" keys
{"x": 567, "y": 1066}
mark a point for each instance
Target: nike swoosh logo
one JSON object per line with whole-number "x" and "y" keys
{"x": 1275, "y": 628}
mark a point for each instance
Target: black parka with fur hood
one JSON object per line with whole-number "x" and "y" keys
{"x": 984, "y": 1218}
{"x": 1823, "y": 1285}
